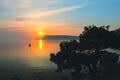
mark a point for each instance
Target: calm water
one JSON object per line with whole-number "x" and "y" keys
{"x": 17, "y": 54}
{"x": 28, "y": 63}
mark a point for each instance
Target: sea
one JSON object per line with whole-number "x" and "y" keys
{"x": 20, "y": 54}
{"x": 19, "y": 60}
{"x": 16, "y": 56}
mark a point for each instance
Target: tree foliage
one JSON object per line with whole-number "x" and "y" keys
{"x": 89, "y": 50}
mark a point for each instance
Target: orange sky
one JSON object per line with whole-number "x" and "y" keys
{"x": 55, "y": 17}
{"x": 31, "y": 28}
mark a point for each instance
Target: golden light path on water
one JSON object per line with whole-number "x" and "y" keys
{"x": 43, "y": 48}
{"x": 40, "y": 44}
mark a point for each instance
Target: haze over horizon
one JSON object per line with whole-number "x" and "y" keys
{"x": 25, "y": 18}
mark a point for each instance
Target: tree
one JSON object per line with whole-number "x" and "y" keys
{"x": 89, "y": 50}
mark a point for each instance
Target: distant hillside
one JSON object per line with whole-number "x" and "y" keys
{"x": 59, "y": 37}
{"x": 117, "y": 30}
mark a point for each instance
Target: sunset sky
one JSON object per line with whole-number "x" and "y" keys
{"x": 20, "y": 18}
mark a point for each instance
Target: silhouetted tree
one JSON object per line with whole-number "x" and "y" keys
{"x": 89, "y": 50}
{"x": 109, "y": 61}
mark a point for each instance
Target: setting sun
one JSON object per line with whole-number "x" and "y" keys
{"x": 40, "y": 33}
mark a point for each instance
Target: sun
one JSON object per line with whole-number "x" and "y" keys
{"x": 40, "y": 33}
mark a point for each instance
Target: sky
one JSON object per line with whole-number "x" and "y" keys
{"x": 23, "y": 18}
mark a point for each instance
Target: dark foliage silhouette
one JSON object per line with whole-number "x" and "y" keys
{"x": 90, "y": 50}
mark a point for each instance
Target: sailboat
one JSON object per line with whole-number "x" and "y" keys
{"x": 29, "y": 44}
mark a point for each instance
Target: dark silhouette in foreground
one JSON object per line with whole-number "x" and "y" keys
{"x": 92, "y": 51}
{"x": 15, "y": 78}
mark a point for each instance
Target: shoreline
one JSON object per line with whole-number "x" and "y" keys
{"x": 30, "y": 74}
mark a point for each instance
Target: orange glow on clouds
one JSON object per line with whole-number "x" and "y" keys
{"x": 36, "y": 28}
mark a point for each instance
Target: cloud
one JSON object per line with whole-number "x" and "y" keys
{"x": 48, "y": 2}
{"x": 41, "y": 13}
{"x": 15, "y": 3}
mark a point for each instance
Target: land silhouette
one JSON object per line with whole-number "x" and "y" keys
{"x": 91, "y": 51}
{"x": 58, "y": 37}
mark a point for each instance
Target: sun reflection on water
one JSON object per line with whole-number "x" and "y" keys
{"x": 40, "y": 44}
{"x": 43, "y": 48}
